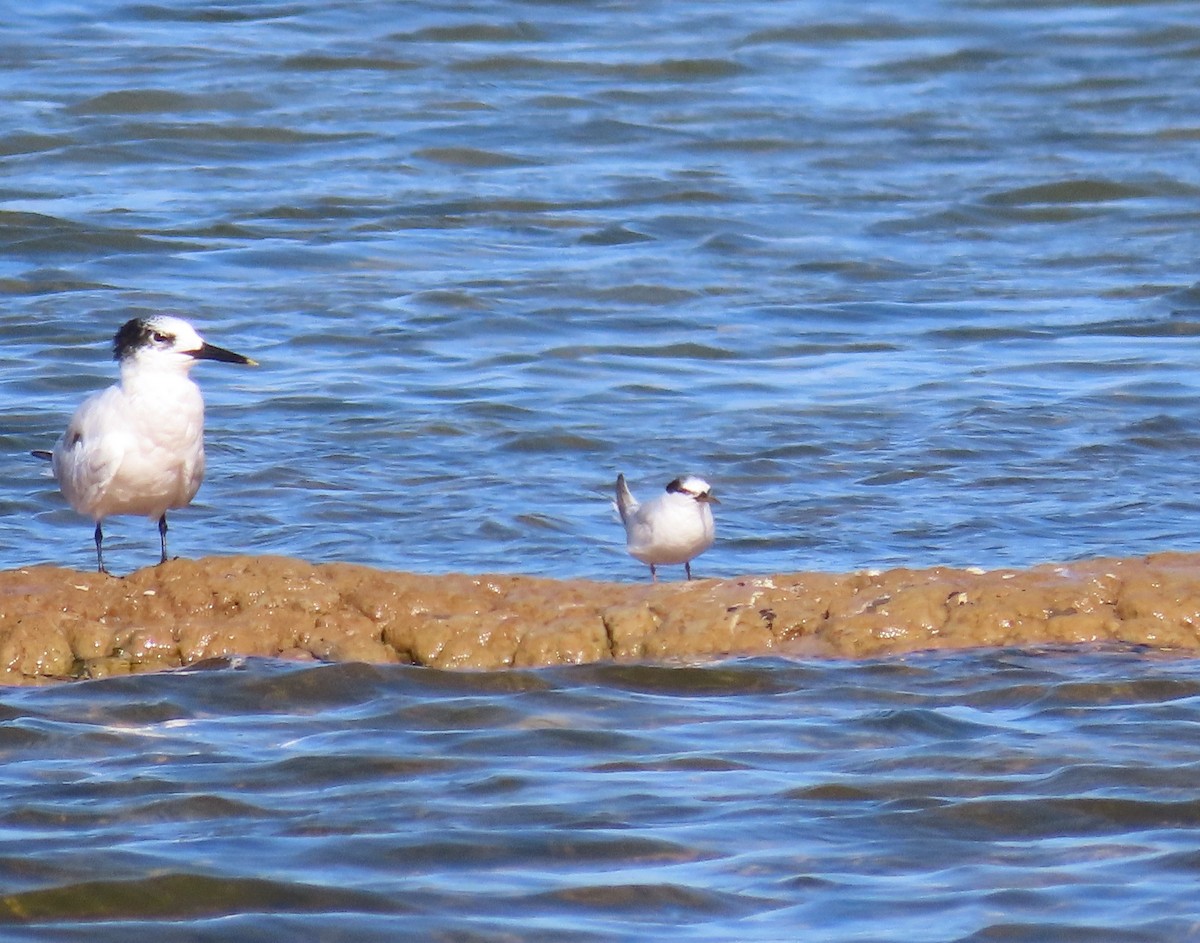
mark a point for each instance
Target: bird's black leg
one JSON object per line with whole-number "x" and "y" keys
{"x": 687, "y": 568}
{"x": 653, "y": 574}
{"x": 99, "y": 551}
{"x": 162, "y": 534}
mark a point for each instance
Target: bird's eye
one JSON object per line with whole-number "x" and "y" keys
{"x": 160, "y": 338}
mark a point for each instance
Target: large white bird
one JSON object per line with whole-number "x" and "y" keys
{"x": 676, "y": 527}
{"x": 138, "y": 446}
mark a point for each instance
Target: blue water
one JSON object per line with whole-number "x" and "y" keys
{"x": 908, "y": 283}
{"x": 1006, "y": 796}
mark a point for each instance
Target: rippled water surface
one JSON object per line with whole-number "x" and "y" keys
{"x": 1008, "y": 796}
{"x": 910, "y": 283}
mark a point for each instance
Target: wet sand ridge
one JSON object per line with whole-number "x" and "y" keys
{"x": 61, "y": 624}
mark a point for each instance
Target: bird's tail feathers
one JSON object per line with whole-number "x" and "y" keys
{"x": 43, "y": 454}
{"x": 626, "y": 502}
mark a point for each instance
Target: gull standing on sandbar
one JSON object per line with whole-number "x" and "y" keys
{"x": 138, "y": 446}
{"x": 676, "y": 527}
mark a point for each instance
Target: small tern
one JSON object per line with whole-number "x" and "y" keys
{"x": 676, "y": 527}
{"x": 138, "y": 446}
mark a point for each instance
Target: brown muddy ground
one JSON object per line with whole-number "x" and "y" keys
{"x": 60, "y": 624}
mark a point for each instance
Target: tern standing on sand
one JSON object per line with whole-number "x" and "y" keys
{"x": 676, "y": 527}
{"x": 138, "y": 446}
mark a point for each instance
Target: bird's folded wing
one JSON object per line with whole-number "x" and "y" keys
{"x": 87, "y": 464}
{"x": 626, "y": 502}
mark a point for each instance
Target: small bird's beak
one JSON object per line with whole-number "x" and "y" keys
{"x": 707, "y": 499}
{"x": 213, "y": 352}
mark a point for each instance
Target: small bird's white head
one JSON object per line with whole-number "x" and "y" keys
{"x": 693, "y": 487}
{"x": 166, "y": 343}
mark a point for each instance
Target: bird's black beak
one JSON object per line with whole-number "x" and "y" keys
{"x": 213, "y": 352}
{"x": 707, "y": 498}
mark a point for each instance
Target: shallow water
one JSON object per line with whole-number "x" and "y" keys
{"x": 1016, "y": 796}
{"x": 909, "y": 283}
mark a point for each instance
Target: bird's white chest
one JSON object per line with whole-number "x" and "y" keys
{"x": 164, "y": 424}
{"x": 670, "y": 530}
{"x": 136, "y": 448}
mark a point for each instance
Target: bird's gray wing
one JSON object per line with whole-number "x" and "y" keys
{"x": 626, "y": 502}
{"x": 85, "y": 462}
